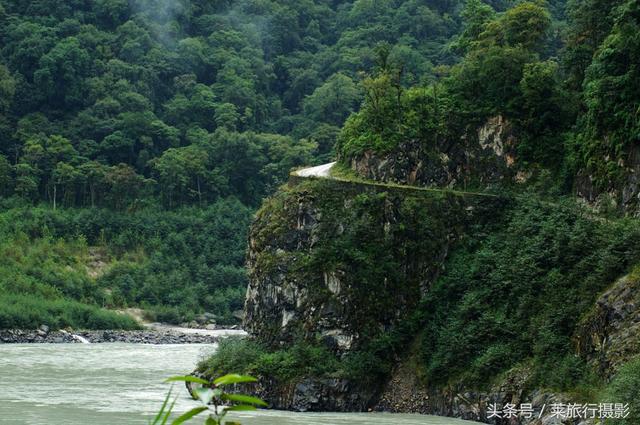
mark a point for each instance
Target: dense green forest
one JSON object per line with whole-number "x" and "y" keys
{"x": 152, "y": 129}
{"x": 512, "y": 293}
{"x": 566, "y": 85}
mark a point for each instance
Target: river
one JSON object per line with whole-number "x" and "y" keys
{"x": 108, "y": 384}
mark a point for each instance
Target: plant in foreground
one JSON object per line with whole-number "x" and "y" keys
{"x": 216, "y": 403}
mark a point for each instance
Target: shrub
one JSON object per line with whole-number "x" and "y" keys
{"x": 625, "y": 388}
{"x": 285, "y": 365}
{"x": 517, "y": 291}
{"x": 28, "y": 312}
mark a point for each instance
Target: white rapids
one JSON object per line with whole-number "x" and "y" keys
{"x": 80, "y": 339}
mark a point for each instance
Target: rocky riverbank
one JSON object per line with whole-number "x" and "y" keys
{"x": 148, "y": 336}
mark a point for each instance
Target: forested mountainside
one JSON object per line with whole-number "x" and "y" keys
{"x": 477, "y": 242}
{"x": 567, "y": 114}
{"x": 141, "y": 135}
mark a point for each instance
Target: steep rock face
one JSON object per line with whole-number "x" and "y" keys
{"x": 625, "y": 194}
{"x": 408, "y": 396}
{"x": 608, "y": 337}
{"x": 483, "y": 157}
{"x": 328, "y": 260}
{"x": 311, "y": 394}
{"x": 342, "y": 264}
{"x": 610, "y": 334}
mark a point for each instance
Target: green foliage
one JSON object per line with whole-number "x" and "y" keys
{"x": 545, "y": 112}
{"x": 301, "y": 359}
{"x": 382, "y": 242}
{"x": 625, "y": 388}
{"x": 611, "y": 126}
{"x": 7, "y": 88}
{"x": 334, "y": 101}
{"x": 43, "y": 280}
{"x": 502, "y": 73}
{"x": 175, "y": 263}
{"x": 194, "y": 101}
{"x": 391, "y": 115}
{"x": 26, "y": 311}
{"x": 475, "y": 17}
{"x": 487, "y": 82}
{"x": 214, "y": 400}
{"x": 590, "y": 23}
{"x": 524, "y": 25}
{"x": 519, "y": 292}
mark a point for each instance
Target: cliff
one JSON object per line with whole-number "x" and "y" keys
{"x": 486, "y": 156}
{"x": 483, "y": 156}
{"x": 338, "y": 260}
{"x": 622, "y": 194}
{"x": 393, "y": 289}
{"x": 343, "y": 264}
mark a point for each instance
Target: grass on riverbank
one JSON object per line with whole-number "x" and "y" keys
{"x": 175, "y": 264}
{"x": 249, "y": 356}
{"x": 45, "y": 281}
{"x": 19, "y": 311}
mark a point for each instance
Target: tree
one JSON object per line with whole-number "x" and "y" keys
{"x": 61, "y": 73}
{"x": 487, "y": 81}
{"x": 475, "y": 17}
{"x": 66, "y": 177}
{"x": 382, "y": 101}
{"x": 6, "y": 178}
{"x": 544, "y": 113}
{"x": 611, "y": 125}
{"x": 111, "y": 13}
{"x": 182, "y": 172}
{"x": 590, "y": 23}
{"x": 117, "y": 147}
{"x": 334, "y": 101}
{"x": 93, "y": 177}
{"x": 227, "y": 116}
{"x": 124, "y": 185}
{"x": 525, "y": 25}
{"x": 7, "y": 89}
{"x": 43, "y": 153}
{"x": 27, "y": 181}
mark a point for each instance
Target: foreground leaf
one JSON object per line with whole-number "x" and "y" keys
{"x": 156, "y": 420}
{"x": 240, "y": 408}
{"x": 166, "y": 417}
{"x": 234, "y": 379}
{"x": 205, "y": 395}
{"x": 240, "y": 398}
{"x": 190, "y": 414}
{"x": 188, "y": 378}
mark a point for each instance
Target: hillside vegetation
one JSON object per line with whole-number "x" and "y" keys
{"x": 566, "y": 88}
{"x": 529, "y": 301}
{"x": 153, "y": 129}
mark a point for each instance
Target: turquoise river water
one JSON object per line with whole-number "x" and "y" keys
{"x": 109, "y": 384}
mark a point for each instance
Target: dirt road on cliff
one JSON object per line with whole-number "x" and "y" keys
{"x": 323, "y": 170}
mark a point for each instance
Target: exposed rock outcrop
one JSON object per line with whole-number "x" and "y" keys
{"x": 482, "y": 157}
{"x": 138, "y": 337}
{"x": 405, "y": 394}
{"x": 623, "y": 194}
{"x": 328, "y": 260}
{"x": 610, "y": 334}
{"x": 332, "y": 262}
{"x": 343, "y": 263}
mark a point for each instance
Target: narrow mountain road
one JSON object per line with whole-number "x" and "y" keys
{"x": 323, "y": 170}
